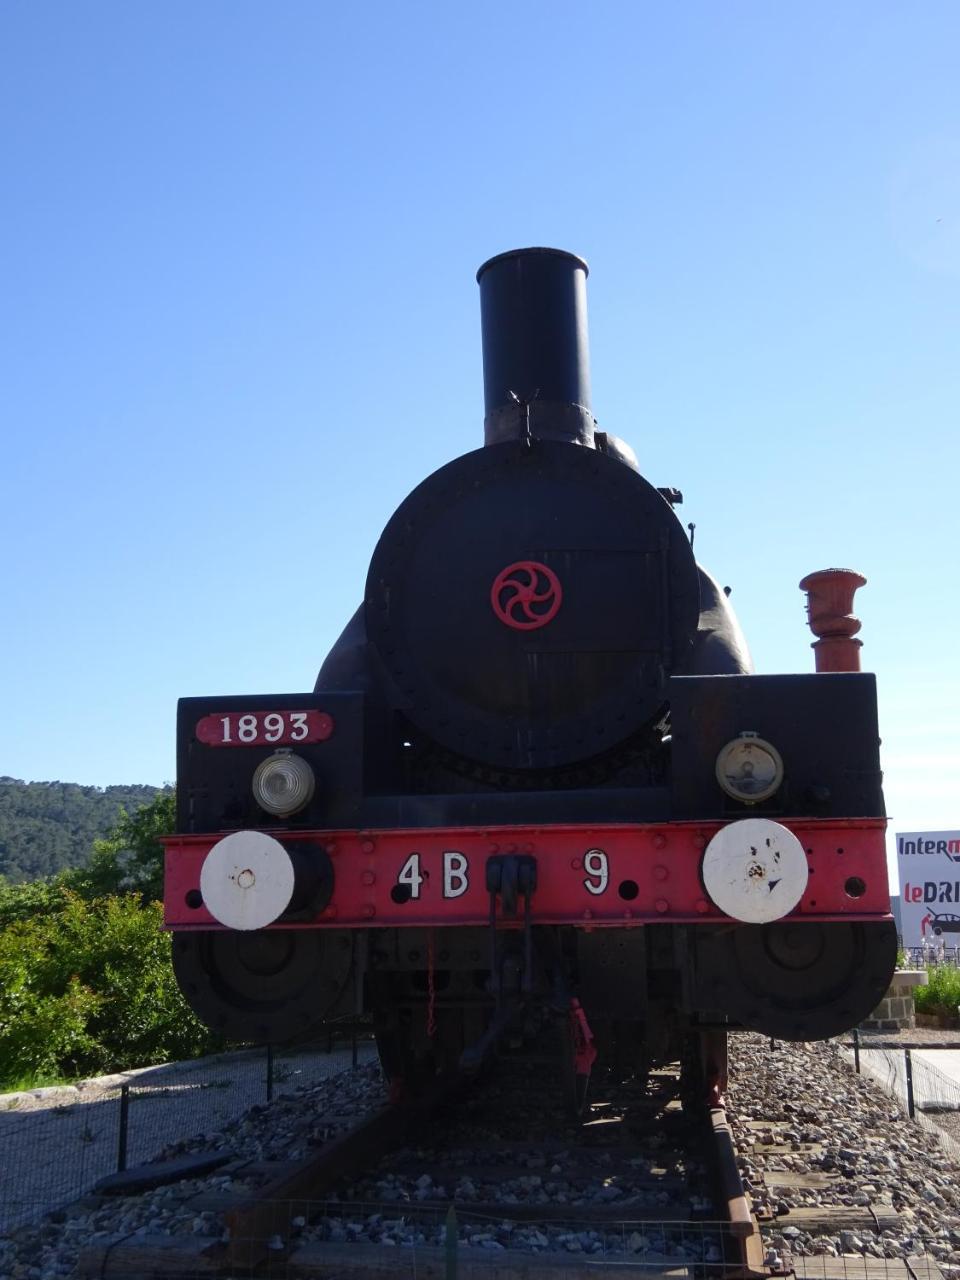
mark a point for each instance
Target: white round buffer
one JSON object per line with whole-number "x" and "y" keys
{"x": 247, "y": 880}
{"x": 755, "y": 870}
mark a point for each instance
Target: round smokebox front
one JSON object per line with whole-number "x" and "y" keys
{"x": 529, "y": 602}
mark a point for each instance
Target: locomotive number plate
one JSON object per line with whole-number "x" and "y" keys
{"x": 263, "y": 728}
{"x": 456, "y": 875}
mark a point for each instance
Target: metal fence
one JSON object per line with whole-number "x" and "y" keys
{"x": 931, "y": 953}
{"x": 55, "y": 1154}
{"x": 450, "y": 1241}
{"x": 848, "y": 1266}
{"x": 912, "y": 1076}
{"x": 460, "y": 1245}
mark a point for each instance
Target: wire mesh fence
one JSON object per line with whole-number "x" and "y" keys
{"x": 56, "y": 1152}
{"x": 457, "y": 1244}
{"x": 916, "y": 1079}
{"x": 449, "y": 1241}
{"x": 852, "y": 1266}
{"x": 52, "y": 1155}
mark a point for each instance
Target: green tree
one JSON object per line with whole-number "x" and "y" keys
{"x": 130, "y": 858}
{"x": 46, "y": 827}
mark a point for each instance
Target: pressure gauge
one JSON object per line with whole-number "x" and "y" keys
{"x": 749, "y": 769}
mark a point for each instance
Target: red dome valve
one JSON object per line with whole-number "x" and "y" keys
{"x": 830, "y": 614}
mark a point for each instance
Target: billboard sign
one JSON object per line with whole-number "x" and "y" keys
{"x": 929, "y": 867}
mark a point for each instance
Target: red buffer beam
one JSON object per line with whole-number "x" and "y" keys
{"x": 587, "y": 875}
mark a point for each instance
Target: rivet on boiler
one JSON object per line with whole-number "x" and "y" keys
{"x": 662, "y": 905}
{"x": 368, "y": 878}
{"x": 660, "y": 873}
{"x": 369, "y": 909}
{"x": 368, "y": 846}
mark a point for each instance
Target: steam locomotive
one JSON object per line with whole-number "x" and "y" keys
{"x": 537, "y": 787}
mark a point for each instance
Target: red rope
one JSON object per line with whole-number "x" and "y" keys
{"x": 584, "y": 1049}
{"x": 431, "y": 992}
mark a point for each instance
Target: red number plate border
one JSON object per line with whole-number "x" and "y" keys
{"x": 317, "y": 726}
{"x": 662, "y": 862}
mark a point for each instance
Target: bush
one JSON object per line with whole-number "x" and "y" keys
{"x": 27, "y": 901}
{"x": 86, "y": 976}
{"x": 88, "y": 987}
{"x": 941, "y": 995}
{"x": 42, "y": 1037}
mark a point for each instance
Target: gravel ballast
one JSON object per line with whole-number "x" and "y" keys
{"x": 806, "y": 1107}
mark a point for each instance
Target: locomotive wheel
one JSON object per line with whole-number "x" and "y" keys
{"x": 265, "y": 985}
{"x": 796, "y": 980}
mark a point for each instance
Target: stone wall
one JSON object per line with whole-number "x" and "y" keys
{"x": 895, "y": 1011}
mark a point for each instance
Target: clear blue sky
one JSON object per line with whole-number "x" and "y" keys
{"x": 238, "y": 322}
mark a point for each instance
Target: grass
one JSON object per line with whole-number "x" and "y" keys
{"x": 37, "y": 1080}
{"x": 941, "y": 994}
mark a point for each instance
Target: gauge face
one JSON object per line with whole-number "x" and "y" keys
{"x": 749, "y": 769}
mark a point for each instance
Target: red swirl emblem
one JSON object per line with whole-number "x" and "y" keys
{"x": 526, "y": 595}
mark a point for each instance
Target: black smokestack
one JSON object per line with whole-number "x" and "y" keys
{"x": 536, "y": 356}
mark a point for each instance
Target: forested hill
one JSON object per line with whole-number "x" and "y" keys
{"x": 47, "y": 826}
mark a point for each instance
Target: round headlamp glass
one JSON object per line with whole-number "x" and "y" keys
{"x": 749, "y": 769}
{"x": 283, "y": 783}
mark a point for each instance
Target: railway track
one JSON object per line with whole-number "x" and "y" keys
{"x": 486, "y": 1174}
